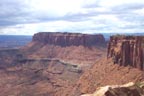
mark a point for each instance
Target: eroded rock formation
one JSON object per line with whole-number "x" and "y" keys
{"x": 127, "y": 50}
{"x": 68, "y": 39}
{"x": 129, "y": 89}
{"x": 73, "y": 47}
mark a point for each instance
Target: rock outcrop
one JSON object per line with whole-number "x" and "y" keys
{"x": 68, "y": 39}
{"x": 127, "y": 50}
{"x": 129, "y": 89}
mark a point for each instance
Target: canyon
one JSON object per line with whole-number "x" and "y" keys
{"x": 69, "y": 64}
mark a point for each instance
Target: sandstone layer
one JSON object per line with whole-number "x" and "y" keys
{"x": 69, "y": 39}
{"x": 127, "y": 50}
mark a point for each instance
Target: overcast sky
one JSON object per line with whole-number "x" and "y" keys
{"x": 26, "y": 17}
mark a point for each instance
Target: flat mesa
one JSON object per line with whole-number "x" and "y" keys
{"x": 68, "y": 39}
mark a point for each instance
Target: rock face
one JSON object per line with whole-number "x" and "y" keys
{"x": 129, "y": 89}
{"x": 68, "y": 39}
{"x": 127, "y": 50}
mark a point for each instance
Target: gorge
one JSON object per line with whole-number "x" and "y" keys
{"x": 70, "y": 64}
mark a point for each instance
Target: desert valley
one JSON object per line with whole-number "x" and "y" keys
{"x": 71, "y": 48}
{"x": 74, "y": 64}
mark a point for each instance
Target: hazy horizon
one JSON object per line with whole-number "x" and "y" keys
{"x": 27, "y": 17}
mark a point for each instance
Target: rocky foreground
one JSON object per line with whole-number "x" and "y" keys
{"x": 49, "y": 67}
{"x": 129, "y": 89}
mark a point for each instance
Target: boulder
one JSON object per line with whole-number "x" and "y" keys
{"x": 129, "y": 89}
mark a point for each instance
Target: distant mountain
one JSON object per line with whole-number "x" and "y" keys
{"x": 13, "y": 41}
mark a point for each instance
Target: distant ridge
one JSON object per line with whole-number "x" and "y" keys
{"x": 14, "y": 41}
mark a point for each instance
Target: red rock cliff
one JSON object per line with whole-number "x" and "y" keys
{"x": 127, "y": 50}
{"x": 68, "y": 39}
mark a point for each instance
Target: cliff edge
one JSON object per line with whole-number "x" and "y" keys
{"x": 68, "y": 39}
{"x": 127, "y": 50}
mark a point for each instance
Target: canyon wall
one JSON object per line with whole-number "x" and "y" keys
{"x": 73, "y": 47}
{"x": 68, "y": 39}
{"x": 127, "y": 50}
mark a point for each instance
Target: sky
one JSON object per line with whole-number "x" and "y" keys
{"x": 27, "y": 17}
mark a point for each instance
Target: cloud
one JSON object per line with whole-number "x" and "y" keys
{"x": 27, "y": 17}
